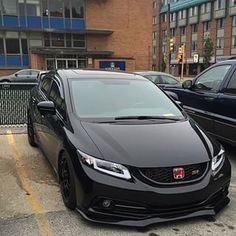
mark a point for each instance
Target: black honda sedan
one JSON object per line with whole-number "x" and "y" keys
{"x": 123, "y": 151}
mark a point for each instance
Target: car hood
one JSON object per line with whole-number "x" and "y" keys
{"x": 151, "y": 145}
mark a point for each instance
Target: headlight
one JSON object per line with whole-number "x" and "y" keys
{"x": 107, "y": 167}
{"x": 217, "y": 161}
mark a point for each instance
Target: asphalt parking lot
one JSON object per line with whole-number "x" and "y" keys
{"x": 31, "y": 204}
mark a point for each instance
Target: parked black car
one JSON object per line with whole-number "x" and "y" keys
{"x": 161, "y": 79}
{"x": 26, "y": 75}
{"x": 123, "y": 151}
{"x": 211, "y": 100}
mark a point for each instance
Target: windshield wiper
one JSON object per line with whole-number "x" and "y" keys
{"x": 146, "y": 118}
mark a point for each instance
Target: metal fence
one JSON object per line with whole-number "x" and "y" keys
{"x": 14, "y": 98}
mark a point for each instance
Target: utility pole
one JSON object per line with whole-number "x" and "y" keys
{"x": 168, "y": 51}
{"x": 183, "y": 61}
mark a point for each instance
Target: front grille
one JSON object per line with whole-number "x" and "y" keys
{"x": 164, "y": 175}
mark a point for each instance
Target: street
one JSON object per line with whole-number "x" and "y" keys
{"x": 31, "y": 203}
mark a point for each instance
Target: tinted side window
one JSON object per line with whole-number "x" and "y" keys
{"x": 45, "y": 85}
{"x": 168, "y": 80}
{"x": 156, "y": 79}
{"x": 212, "y": 79}
{"x": 55, "y": 96}
{"x": 24, "y": 72}
{"x": 232, "y": 85}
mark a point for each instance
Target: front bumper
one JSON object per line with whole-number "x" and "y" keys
{"x": 138, "y": 204}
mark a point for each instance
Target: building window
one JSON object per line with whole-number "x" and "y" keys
{"x": 220, "y": 4}
{"x": 206, "y": 26}
{"x": 9, "y": 8}
{"x": 68, "y": 41}
{"x": 194, "y": 46}
{"x": 24, "y": 46}
{"x": 163, "y": 16}
{"x": 173, "y": 17}
{"x": 154, "y": 50}
{"x": 182, "y": 14}
{"x": 67, "y": 8}
{"x": 154, "y": 20}
{"x": 164, "y": 34}
{"x": 234, "y": 21}
{"x": 33, "y": 7}
{"x": 1, "y": 46}
{"x": 182, "y": 31}
{"x": 220, "y": 23}
{"x": 172, "y": 32}
{"x": 206, "y": 8}
{"x": 193, "y": 11}
{"x": 12, "y": 46}
{"x": 233, "y": 41}
{"x": 21, "y": 8}
{"x": 77, "y": 8}
{"x": 220, "y": 43}
{"x": 57, "y": 40}
{"x": 154, "y": 35}
{"x": 154, "y": 4}
{"x": 56, "y": 8}
{"x": 78, "y": 41}
{"x": 45, "y": 11}
{"x": 233, "y": 3}
{"x": 64, "y": 40}
{"x": 194, "y": 28}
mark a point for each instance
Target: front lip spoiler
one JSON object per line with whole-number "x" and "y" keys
{"x": 207, "y": 211}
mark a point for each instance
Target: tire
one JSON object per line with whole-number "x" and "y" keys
{"x": 30, "y": 133}
{"x": 67, "y": 181}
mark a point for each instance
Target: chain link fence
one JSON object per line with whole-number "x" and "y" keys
{"x": 14, "y": 99}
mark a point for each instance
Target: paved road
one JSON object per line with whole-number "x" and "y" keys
{"x": 30, "y": 201}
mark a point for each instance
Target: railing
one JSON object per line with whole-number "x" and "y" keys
{"x": 14, "y": 99}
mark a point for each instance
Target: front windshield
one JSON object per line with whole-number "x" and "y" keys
{"x": 111, "y": 98}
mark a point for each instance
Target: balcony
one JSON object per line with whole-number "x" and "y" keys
{"x": 232, "y": 10}
{"x": 193, "y": 20}
{"x": 173, "y": 24}
{"x": 182, "y": 22}
{"x": 205, "y": 16}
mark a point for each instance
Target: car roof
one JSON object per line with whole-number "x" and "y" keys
{"x": 152, "y": 73}
{"x": 82, "y": 73}
{"x": 230, "y": 61}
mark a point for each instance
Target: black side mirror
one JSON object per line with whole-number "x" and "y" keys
{"x": 16, "y": 75}
{"x": 46, "y": 107}
{"x": 187, "y": 84}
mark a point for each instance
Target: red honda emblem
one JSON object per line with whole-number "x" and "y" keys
{"x": 178, "y": 173}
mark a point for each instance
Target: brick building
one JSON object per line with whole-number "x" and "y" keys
{"x": 47, "y": 34}
{"x": 190, "y": 22}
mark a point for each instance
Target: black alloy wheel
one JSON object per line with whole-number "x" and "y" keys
{"x": 67, "y": 183}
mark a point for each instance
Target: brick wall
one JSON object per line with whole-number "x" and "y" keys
{"x": 131, "y": 21}
{"x": 227, "y": 35}
{"x": 200, "y": 37}
{"x": 7, "y": 71}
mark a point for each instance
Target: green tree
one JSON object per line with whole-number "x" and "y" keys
{"x": 207, "y": 52}
{"x": 163, "y": 64}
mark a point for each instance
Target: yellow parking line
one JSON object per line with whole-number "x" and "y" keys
{"x": 37, "y": 208}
